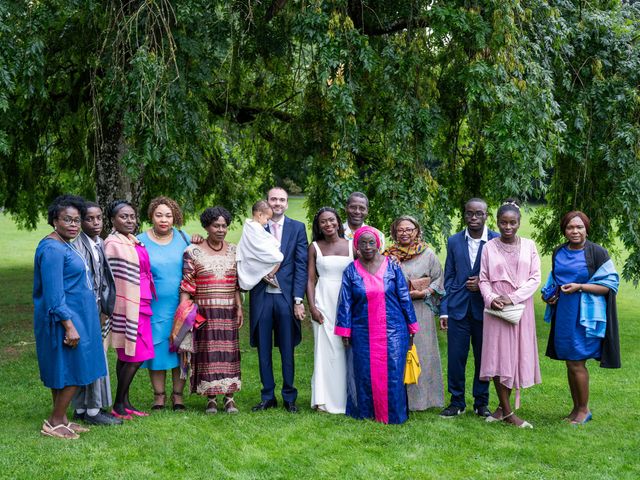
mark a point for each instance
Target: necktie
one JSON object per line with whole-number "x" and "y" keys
{"x": 99, "y": 264}
{"x": 275, "y": 230}
{"x": 100, "y": 252}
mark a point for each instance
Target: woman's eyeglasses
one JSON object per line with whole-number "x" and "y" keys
{"x": 71, "y": 221}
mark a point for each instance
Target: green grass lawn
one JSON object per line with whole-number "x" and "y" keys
{"x": 275, "y": 444}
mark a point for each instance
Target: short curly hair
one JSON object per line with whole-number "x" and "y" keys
{"x": 62, "y": 202}
{"x": 178, "y": 218}
{"x": 404, "y": 218}
{"x": 211, "y": 214}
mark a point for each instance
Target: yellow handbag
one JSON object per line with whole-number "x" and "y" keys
{"x": 412, "y": 369}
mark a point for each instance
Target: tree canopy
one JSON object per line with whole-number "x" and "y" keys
{"x": 419, "y": 104}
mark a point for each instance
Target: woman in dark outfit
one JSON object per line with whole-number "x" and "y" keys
{"x": 581, "y": 306}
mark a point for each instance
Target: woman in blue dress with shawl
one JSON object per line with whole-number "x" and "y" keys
{"x": 65, "y": 317}
{"x": 580, "y": 295}
{"x": 377, "y": 320}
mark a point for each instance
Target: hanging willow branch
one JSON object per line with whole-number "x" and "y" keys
{"x": 137, "y": 56}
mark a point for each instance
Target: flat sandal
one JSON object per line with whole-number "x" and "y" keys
{"x": 49, "y": 431}
{"x": 77, "y": 428}
{"x": 212, "y": 407}
{"x": 230, "y": 405}
{"x": 524, "y": 423}
{"x": 491, "y": 418}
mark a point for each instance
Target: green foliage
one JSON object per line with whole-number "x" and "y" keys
{"x": 596, "y": 66}
{"x": 418, "y": 104}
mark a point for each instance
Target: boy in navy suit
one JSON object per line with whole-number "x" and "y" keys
{"x": 461, "y": 309}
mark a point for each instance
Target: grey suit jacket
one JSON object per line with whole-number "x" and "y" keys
{"x": 106, "y": 291}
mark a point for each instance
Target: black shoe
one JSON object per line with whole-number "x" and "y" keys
{"x": 78, "y": 416}
{"x": 160, "y": 405}
{"x": 102, "y": 418}
{"x": 177, "y": 405}
{"x": 451, "y": 411}
{"x": 290, "y": 407}
{"x": 265, "y": 405}
{"x": 482, "y": 411}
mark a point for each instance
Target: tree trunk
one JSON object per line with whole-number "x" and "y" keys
{"x": 112, "y": 181}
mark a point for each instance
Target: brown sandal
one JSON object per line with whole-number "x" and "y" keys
{"x": 212, "y": 407}
{"x": 230, "y": 405}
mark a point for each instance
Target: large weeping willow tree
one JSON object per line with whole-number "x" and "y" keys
{"x": 420, "y": 104}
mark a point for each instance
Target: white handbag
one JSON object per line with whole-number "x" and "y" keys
{"x": 510, "y": 313}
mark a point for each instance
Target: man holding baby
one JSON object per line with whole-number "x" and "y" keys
{"x": 280, "y": 309}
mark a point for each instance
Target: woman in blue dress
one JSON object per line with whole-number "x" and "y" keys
{"x": 581, "y": 294}
{"x": 165, "y": 244}
{"x": 65, "y": 320}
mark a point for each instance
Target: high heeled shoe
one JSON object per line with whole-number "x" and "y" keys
{"x": 177, "y": 405}
{"x": 586, "y": 419}
{"x": 156, "y": 403}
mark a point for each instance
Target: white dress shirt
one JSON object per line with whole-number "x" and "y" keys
{"x": 473, "y": 244}
{"x": 348, "y": 234}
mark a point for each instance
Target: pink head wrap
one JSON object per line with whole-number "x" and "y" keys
{"x": 367, "y": 229}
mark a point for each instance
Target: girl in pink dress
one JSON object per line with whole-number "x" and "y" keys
{"x": 509, "y": 275}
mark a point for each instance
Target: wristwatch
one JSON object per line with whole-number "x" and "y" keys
{"x": 297, "y": 301}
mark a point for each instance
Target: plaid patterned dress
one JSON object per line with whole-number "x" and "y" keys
{"x": 212, "y": 280}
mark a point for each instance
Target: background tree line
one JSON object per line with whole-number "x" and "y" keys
{"x": 420, "y": 104}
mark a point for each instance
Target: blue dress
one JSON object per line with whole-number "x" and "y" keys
{"x": 376, "y": 312}
{"x": 63, "y": 290}
{"x": 166, "y": 268}
{"x": 571, "y": 342}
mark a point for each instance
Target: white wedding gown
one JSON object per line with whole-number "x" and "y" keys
{"x": 329, "y": 380}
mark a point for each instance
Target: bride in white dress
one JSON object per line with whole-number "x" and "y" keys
{"x": 329, "y": 255}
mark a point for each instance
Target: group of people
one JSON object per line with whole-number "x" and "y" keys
{"x": 167, "y": 301}
{"x": 490, "y": 280}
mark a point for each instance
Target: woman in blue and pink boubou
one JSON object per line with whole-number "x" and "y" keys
{"x": 377, "y": 321}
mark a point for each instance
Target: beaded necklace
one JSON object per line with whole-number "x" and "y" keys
{"x": 84, "y": 261}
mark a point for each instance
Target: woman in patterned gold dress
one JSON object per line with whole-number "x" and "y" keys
{"x": 210, "y": 278}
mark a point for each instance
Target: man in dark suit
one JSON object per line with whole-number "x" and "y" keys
{"x": 91, "y": 400}
{"x": 461, "y": 309}
{"x": 280, "y": 310}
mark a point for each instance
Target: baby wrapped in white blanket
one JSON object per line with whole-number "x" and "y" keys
{"x": 258, "y": 254}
